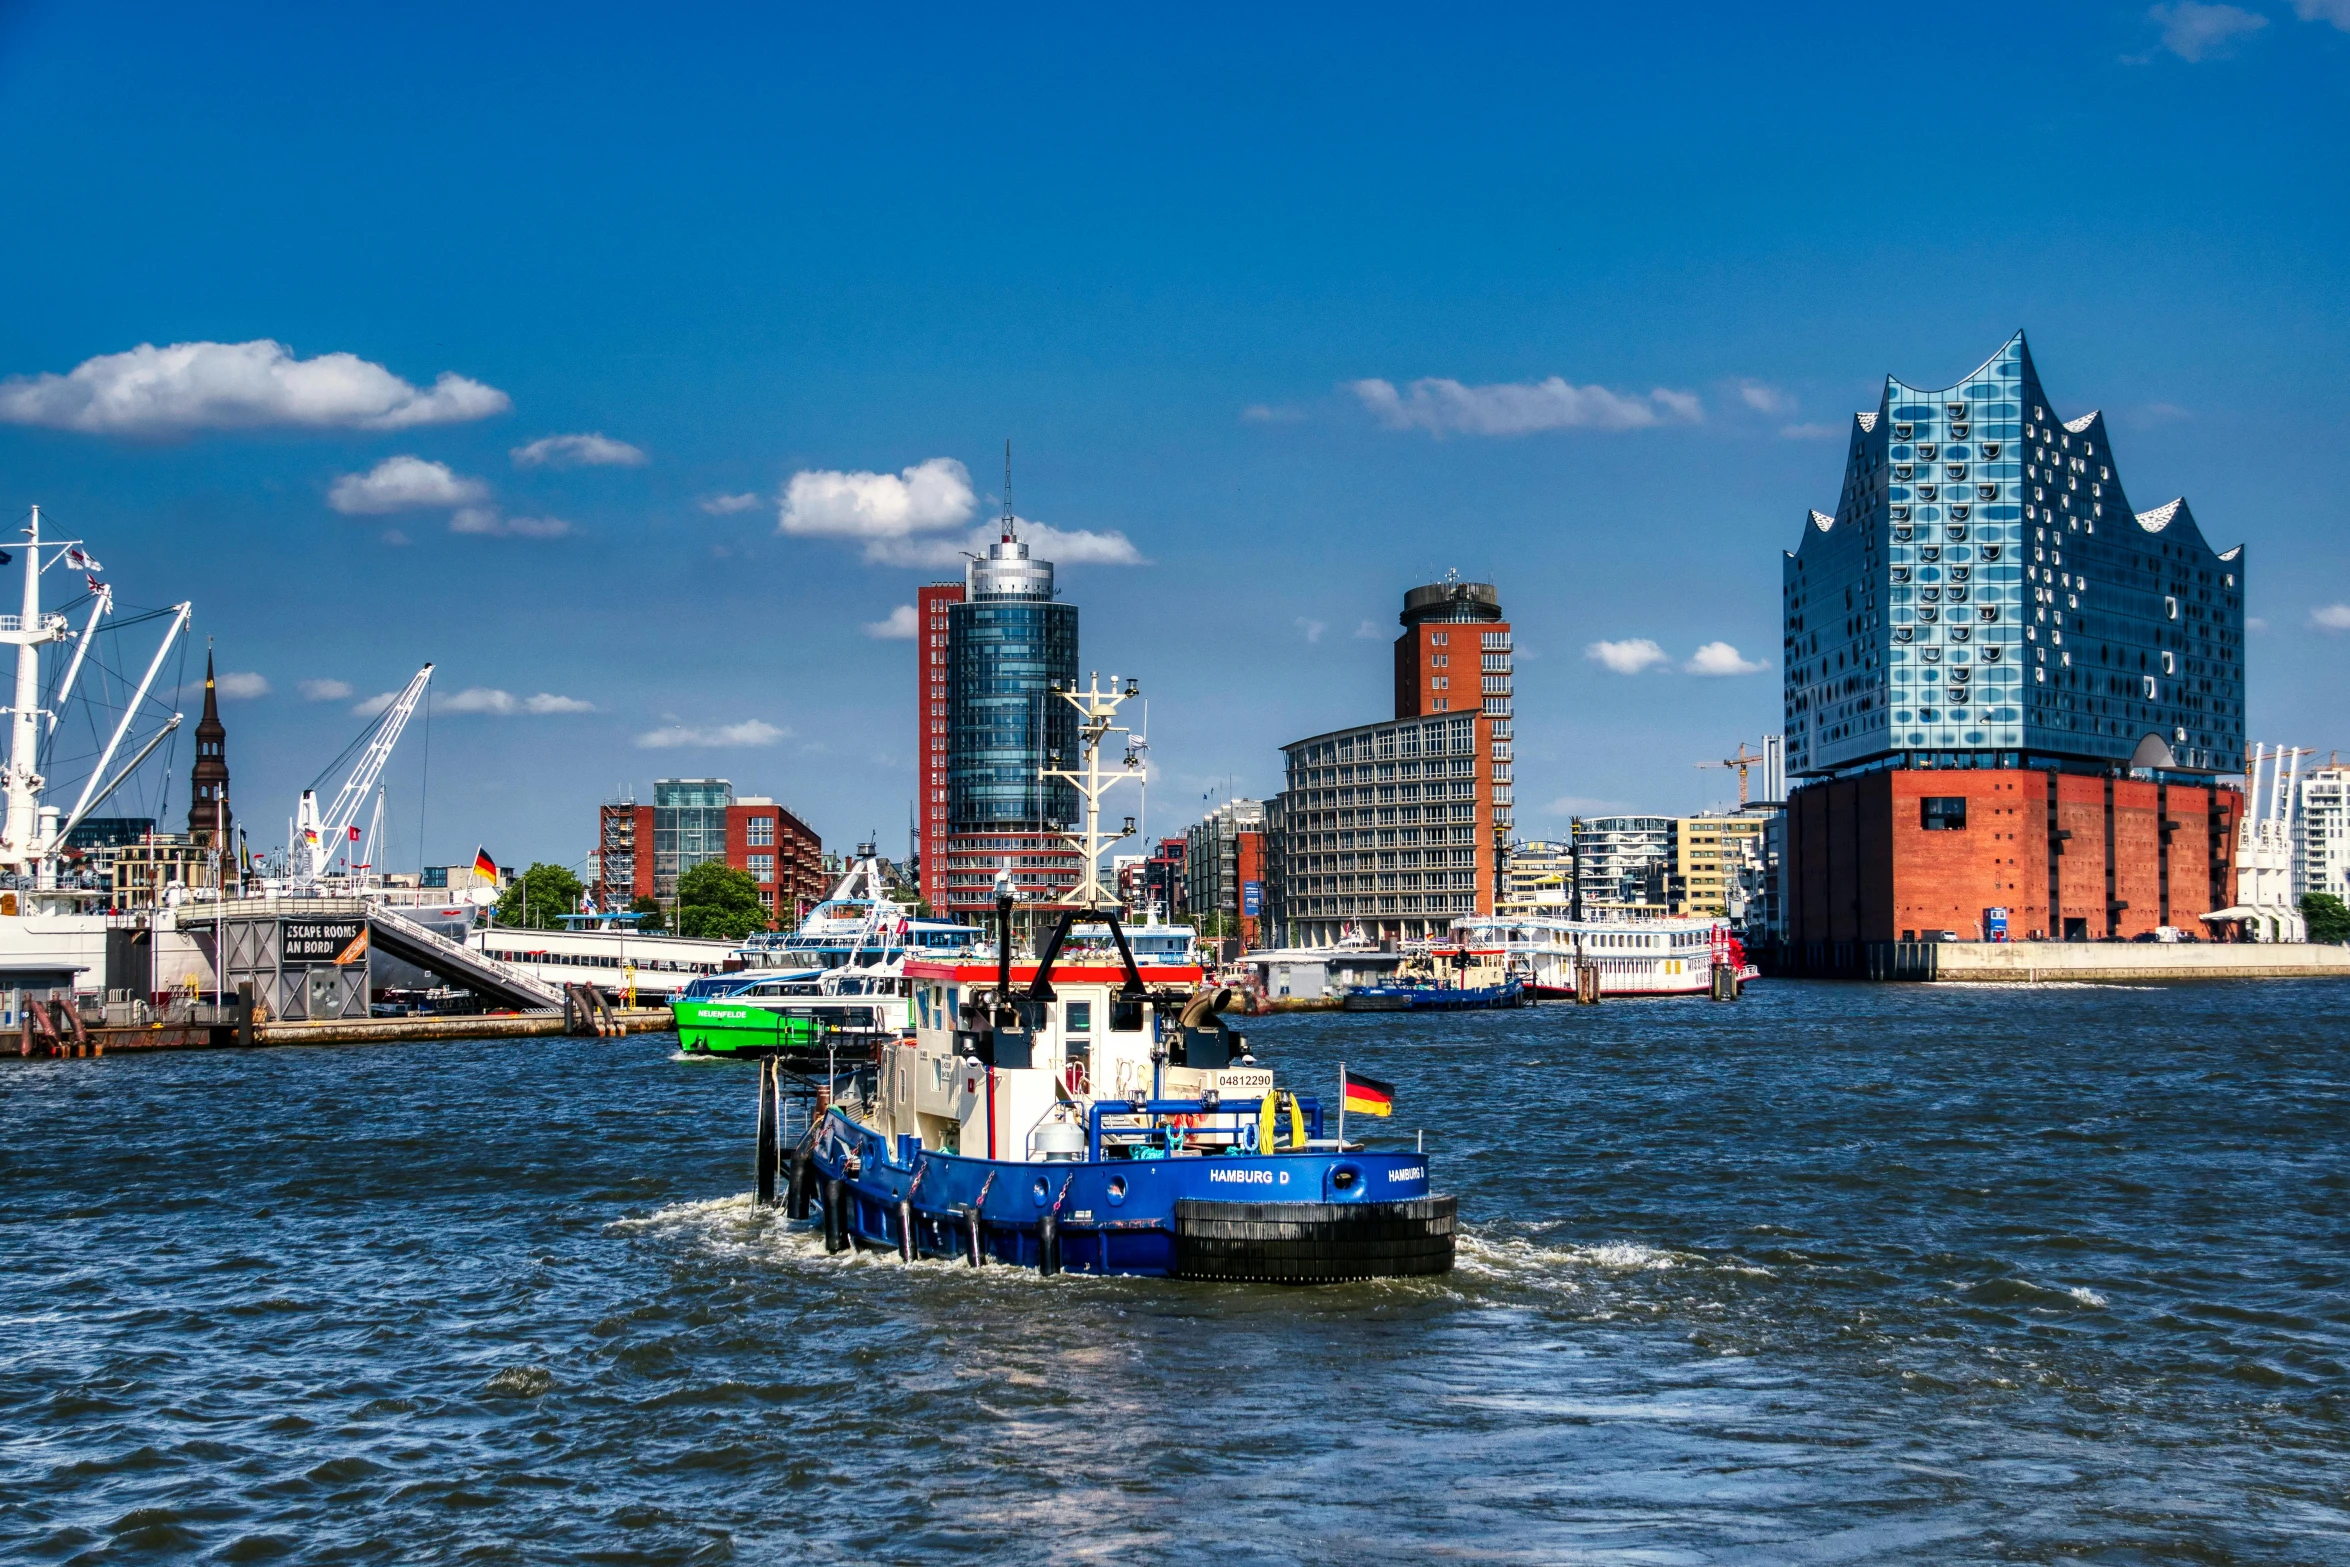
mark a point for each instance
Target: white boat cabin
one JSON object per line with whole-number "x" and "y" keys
{"x": 961, "y": 1087}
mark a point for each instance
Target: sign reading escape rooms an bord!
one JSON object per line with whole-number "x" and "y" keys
{"x": 323, "y": 941}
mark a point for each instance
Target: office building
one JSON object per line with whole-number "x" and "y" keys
{"x": 1011, "y": 650}
{"x": 2008, "y": 693}
{"x": 934, "y": 728}
{"x": 1224, "y": 871}
{"x": 1391, "y": 830}
{"x": 1624, "y": 867}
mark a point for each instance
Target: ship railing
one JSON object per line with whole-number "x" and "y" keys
{"x": 1150, "y": 1112}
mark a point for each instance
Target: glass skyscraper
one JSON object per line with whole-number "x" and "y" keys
{"x": 1009, "y": 643}
{"x": 1984, "y": 595}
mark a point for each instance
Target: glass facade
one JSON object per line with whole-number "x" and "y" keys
{"x": 689, "y": 827}
{"x": 1985, "y": 592}
{"x": 1007, "y": 645}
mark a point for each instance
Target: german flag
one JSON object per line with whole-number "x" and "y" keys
{"x": 485, "y": 867}
{"x": 1369, "y": 1096}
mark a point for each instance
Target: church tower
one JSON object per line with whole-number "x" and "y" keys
{"x": 208, "y": 810}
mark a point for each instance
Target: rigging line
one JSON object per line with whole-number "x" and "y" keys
{"x": 334, "y": 766}
{"x": 171, "y": 746}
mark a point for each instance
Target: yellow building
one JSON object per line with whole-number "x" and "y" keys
{"x": 1707, "y": 850}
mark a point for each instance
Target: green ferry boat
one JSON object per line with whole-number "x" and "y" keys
{"x": 737, "y": 1028}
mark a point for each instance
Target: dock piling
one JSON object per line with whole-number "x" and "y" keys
{"x": 766, "y": 1170}
{"x": 835, "y": 1220}
{"x": 906, "y": 1248}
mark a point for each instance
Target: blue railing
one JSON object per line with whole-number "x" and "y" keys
{"x": 1309, "y": 1105}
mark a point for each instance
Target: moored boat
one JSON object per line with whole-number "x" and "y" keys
{"x": 1443, "y": 979}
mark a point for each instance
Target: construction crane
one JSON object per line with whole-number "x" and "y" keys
{"x": 1740, "y": 763}
{"x": 317, "y": 836}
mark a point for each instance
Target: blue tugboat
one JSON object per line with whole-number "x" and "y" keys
{"x": 1444, "y": 980}
{"x": 1074, "y": 1118}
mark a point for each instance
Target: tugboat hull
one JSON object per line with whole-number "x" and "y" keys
{"x": 1326, "y": 1217}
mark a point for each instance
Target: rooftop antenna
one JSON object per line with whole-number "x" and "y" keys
{"x": 1010, "y": 527}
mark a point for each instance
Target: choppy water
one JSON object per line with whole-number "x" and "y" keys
{"x": 1837, "y": 1274}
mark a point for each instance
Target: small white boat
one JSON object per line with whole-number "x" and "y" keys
{"x": 1664, "y": 957}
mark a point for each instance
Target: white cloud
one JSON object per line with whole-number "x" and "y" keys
{"x": 1313, "y": 629}
{"x": 1368, "y": 631}
{"x": 1627, "y": 657}
{"x": 1720, "y": 658}
{"x": 2193, "y": 31}
{"x": 1808, "y": 432}
{"x": 325, "y": 690}
{"x": 749, "y": 732}
{"x": 402, "y": 484}
{"x": 395, "y": 538}
{"x": 1440, "y": 406}
{"x": 2334, "y": 11}
{"x": 1268, "y": 413}
{"x": 244, "y": 684}
{"x": 1763, "y": 399}
{"x": 578, "y": 451}
{"x": 727, "y": 505}
{"x": 2331, "y": 617}
{"x": 505, "y": 704}
{"x": 926, "y": 498}
{"x": 486, "y": 520}
{"x": 237, "y": 386}
{"x": 1062, "y": 546}
{"x": 375, "y": 704}
{"x": 899, "y": 625}
{"x": 2255, "y": 623}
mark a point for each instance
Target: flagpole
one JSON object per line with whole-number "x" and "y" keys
{"x": 1342, "y": 1107}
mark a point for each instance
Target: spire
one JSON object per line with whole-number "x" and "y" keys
{"x": 1011, "y": 524}
{"x": 208, "y": 807}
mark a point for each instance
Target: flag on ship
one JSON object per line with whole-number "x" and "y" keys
{"x": 1366, "y": 1095}
{"x": 94, "y": 584}
{"x": 485, "y": 867}
{"x": 79, "y": 559}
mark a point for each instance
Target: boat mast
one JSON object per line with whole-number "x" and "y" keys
{"x": 19, "y": 850}
{"x": 1096, "y": 707}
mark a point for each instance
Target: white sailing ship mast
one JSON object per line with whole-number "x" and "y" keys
{"x": 31, "y": 832}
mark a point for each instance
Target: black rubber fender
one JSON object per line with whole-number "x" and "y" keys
{"x": 1313, "y": 1242}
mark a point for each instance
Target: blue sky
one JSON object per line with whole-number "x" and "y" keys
{"x": 826, "y": 264}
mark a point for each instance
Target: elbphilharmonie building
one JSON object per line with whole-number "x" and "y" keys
{"x": 1985, "y": 593}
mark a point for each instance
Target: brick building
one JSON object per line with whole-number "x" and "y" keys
{"x": 1392, "y": 830}
{"x": 933, "y": 757}
{"x": 641, "y": 850}
{"x": 2009, "y": 691}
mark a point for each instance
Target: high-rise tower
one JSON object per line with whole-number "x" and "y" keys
{"x": 1011, "y": 647}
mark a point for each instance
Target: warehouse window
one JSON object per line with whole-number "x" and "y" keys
{"x": 1943, "y": 813}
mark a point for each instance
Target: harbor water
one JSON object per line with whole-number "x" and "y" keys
{"x": 1836, "y": 1274}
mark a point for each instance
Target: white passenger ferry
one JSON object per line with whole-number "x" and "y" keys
{"x": 1663, "y": 957}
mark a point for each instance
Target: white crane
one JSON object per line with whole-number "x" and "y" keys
{"x": 316, "y": 836}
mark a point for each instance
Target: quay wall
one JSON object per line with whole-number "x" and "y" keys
{"x": 2136, "y": 962}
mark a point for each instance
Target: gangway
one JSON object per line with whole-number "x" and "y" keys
{"x": 254, "y": 932}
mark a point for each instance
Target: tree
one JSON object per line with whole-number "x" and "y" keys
{"x": 2328, "y": 917}
{"x": 653, "y": 921}
{"x": 553, "y": 893}
{"x": 718, "y": 902}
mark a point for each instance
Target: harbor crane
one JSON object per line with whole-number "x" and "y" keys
{"x": 317, "y": 835}
{"x": 1739, "y": 762}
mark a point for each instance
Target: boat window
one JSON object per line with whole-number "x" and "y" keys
{"x": 1079, "y": 1018}
{"x": 1125, "y": 1017}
